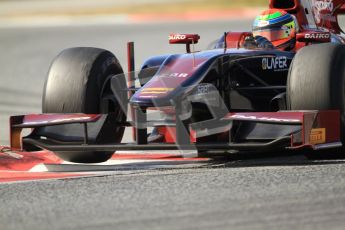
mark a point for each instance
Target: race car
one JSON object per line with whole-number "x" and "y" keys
{"x": 231, "y": 98}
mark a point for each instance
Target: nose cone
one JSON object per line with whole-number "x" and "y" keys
{"x": 157, "y": 92}
{"x": 178, "y": 73}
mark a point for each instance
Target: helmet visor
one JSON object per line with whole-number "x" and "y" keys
{"x": 273, "y": 35}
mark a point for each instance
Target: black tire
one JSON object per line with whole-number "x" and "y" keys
{"x": 316, "y": 80}
{"x": 78, "y": 81}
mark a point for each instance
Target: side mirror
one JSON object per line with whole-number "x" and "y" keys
{"x": 187, "y": 39}
{"x": 313, "y": 36}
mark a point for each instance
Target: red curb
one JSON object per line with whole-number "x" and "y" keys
{"x": 15, "y": 166}
{"x": 27, "y": 161}
{"x": 30, "y": 176}
{"x": 240, "y": 14}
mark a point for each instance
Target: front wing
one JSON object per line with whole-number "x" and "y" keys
{"x": 234, "y": 132}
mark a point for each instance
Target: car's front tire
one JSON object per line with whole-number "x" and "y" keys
{"x": 78, "y": 81}
{"x": 316, "y": 80}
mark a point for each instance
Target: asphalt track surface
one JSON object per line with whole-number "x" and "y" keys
{"x": 244, "y": 192}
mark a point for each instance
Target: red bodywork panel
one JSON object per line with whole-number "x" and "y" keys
{"x": 236, "y": 39}
{"x": 36, "y": 120}
{"x": 18, "y": 123}
{"x": 327, "y": 120}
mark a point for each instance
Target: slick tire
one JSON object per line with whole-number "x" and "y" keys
{"x": 78, "y": 81}
{"x": 316, "y": 80}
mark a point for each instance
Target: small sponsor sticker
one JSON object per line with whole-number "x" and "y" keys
{"x": 179, "y": 75}
{"x": 177, "y": 36}
{"x": 203, "y": 89}
{"x": 317, "y": 36}
{"x": 279, "y": 63}
{"x": 263, "y": 23}
{"x": 317, "y": 136}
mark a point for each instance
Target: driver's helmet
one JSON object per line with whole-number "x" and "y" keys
{"x": 278, "y": 26}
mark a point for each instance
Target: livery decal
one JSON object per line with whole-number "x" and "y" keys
{"x": 275, "y": 63}
{"x": 317, "y": 136}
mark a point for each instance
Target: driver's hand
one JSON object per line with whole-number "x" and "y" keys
{"x": 263, "y": 42}
{"x": 257, "y": 42}
{"x": 250, "y": 43}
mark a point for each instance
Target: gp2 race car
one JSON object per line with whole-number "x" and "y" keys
{"x": 227, "y": 99}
